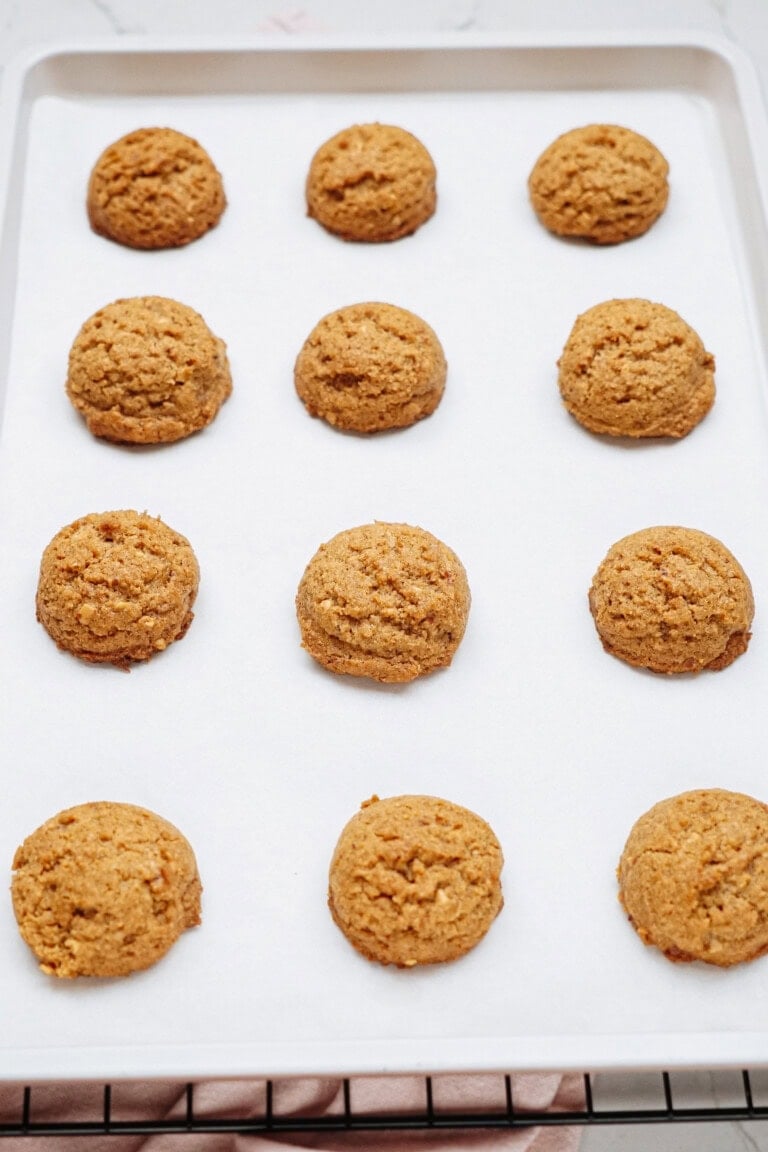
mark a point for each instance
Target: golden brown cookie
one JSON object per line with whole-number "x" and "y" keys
{"x": 147, "y": 370}
{"x": 370, "y": 367}
{"x": 371, "y": 182}
{"x": 635, "y": 368}
{"x": 602, "y": 183}
{"x": 387, "y": 601}
{"x": 672, "y": 599}
{"x": 154, "y": 188}
{"x": 104, "y": 889}
{"x": 693, "y": 877}
{"x": 116, "y": 587}
{"x": 415, "y": 880}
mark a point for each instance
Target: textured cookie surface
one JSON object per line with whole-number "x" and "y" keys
{"x": 693, "y": 877}
{"x": 115, "y": 587}
{"x": 386, "y": 601}
{"x": 147, "y": 370}
{"x": 672, "y": 599}
{"x": 371, "y": 182}
{"x": 415, "y": 880}
{"x": 603, "y": 183}
{"x": 635, "y": 368}
{"x": 154, "y": 188}
{"x": 370, "y": 367}
{"x": 104, "y": 889}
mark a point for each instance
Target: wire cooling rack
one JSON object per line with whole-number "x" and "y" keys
{"x": 663, "y": 1098}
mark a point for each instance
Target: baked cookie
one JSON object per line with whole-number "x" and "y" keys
{"x": 387, "y": 601}
{"x": 415, "y": 880}
{"x": 370, "y": 367}
{"x": 602, "y": 183}
{"x": 104, "y": 889}
{"x": 635, "y": 368}
{"x": 154, "y": 188}
{"x": 672, "y": 600}
{"x": 693, "y": 877}
{"x": 147, "y": 370}
{"x": 116, "y": 587}
{"x": 371, "y": 182}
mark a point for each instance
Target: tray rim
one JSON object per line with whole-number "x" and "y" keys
{"x": 18, "y": 70}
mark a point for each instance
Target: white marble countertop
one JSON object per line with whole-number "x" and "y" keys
{"x": 26, "y": 24}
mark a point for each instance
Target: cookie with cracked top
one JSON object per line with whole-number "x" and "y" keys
{"x": 386, "y": 601}
{"x": 147, "y": 370}
{"x": 104, "y": 889}
{"x": 117, "y": 587}
{"x": 602, "y": 182}
{"x": 672, "y": 600}
{"x": 633, "y": 367}
{"x": 371, "y": 183}
{"x": 371, "y": 367}
{"x": 415, "y": 880}
{"x": 693, "y": 877}
{"x": 154, "y": 188}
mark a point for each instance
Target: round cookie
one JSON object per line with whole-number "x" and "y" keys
{"x": 117, "y": 587}
{"x": 154, "y": 188}
{"x": 386, "y": 601}
{"x": 147, "y": 370}
{"x": 693, "y": 877}
{"x": 372, "y": 183}
{"x": 104, "y": 889}
{"x": 672, "y": 599}
{"x": 370, "y": 367}
{"x": 635, "y": 368}
{"x": 602, "y": 183}
{"x": 415, "y": 880}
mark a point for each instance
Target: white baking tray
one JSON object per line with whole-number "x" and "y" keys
{"x": 234, "y": 734}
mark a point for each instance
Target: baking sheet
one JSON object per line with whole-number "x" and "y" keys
{"x": 234, "y": 734}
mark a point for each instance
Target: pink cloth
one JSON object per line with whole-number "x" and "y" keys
{"x": 242, "y": 1099}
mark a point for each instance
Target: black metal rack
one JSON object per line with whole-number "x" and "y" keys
{"x": 666, "y": 1100}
